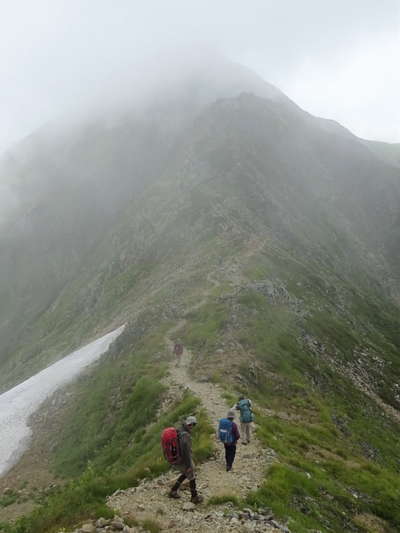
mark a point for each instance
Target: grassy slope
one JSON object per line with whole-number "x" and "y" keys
{"x": 111, "y": 437}
{"x": 303, "y": 310}
{"x": 338, "y": 451}
{"x": 70, "y": 188}
{"x": 232, "y": 171}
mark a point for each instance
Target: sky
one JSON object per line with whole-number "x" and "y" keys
{"x": 337, "y": 60}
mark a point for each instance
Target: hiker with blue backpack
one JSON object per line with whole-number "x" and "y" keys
{"x": 228, "y": 434}
{"x": 246, "y": 417}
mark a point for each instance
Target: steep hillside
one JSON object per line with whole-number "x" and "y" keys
{"x": 274, "y": 236}
{"x": 388, "y": 152}
{"x": 70, "y": 182}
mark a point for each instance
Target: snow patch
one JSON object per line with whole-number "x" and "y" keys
{"x": 20, "y": 402}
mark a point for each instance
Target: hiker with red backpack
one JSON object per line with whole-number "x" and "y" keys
{"x": 177, "y": 448}
{"x": 228, "y": 434}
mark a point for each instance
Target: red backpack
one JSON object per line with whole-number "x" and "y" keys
{"x": 170, "y": 445}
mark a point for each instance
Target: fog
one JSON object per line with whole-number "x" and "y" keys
{"x": 168, "y": 90}
{"x": 8, "y": 201}
{"x": 125, "y": 186}
{"x": 336, "y": 60}
{"x": 64, "y": 64}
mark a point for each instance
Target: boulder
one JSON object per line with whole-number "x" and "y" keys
{"x": 88, "y": 528}
{"x": 117, "y": 524}
{"x": 102, "y": 522}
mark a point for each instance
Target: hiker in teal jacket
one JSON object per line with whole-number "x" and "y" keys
{"x": 246, "y": 418}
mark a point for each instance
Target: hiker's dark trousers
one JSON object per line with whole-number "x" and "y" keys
{"x": 230, "y": 452}
{"x": 181, "y": 479}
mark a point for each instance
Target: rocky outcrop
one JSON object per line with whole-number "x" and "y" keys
{"x": 103, "y": 525}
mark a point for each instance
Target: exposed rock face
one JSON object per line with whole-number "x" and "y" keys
{"x": 102, "y": 525}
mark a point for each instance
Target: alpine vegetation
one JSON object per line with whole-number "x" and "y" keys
{"x": 252, "y": 251}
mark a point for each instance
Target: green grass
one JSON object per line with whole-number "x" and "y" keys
{"x": 111, "y": 435}
{"x": 8, "y": 499}
{"x": 318, "y": 495}
{"x": 84, "y": 497}
{"x": 112, "y": 406}
{"x": 106, "y": 425}
{"x": 320, "y": 470}
{"x": 151, "y": 525}
{"x": 324, "y": 477}
{"x": 204, "y": 326}
{"x": 224, "y": 498}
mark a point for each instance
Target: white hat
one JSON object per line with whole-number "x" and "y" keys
{"x": 191, "y": 421}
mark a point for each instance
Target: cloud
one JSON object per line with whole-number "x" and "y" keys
{"x": 56, "y": 55}
{"x": 359, "y": 87}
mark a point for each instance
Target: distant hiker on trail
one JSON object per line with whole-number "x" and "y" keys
{"x": 178, "y": 351}
{"x": 177, "y": 448}
{"x": 228, "y": 433}
{"x": 246, "y": 418}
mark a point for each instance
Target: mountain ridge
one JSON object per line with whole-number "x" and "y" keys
{"x": 297, "y": 222}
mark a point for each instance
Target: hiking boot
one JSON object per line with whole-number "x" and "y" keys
{"x": 173, "y": 494}
{"x": 197, "y": 499}
{"x": 228, "y": 468}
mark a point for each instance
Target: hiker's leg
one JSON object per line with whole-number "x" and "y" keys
{"x": 196, "y": 498}
{"x": 226, "y": 454}
{"x": 193, "y": 489}
{"x": 173, "y": 493}
{"x": 233, "y": 453}
{"x": 178, "y": 482}
{"x": 246, "y": 432}
{"x": 243, "y": 431}
{"x": 230, "y": 455}
{"x": 244, "y": 426}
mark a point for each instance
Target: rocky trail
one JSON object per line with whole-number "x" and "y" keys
{"x": 149, "y": 500}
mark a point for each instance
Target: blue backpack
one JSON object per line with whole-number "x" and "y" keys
{"x": 246, "y": 414}
{"x": 225, "y": 431}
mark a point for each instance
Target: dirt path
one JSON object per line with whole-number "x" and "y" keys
{"x": 149, "y": 499}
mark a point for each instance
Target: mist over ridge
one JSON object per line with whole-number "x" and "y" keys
{"x": 204, "y": 206}
{"x": 72, "y": 181}
{"x": 169, "y": 91}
